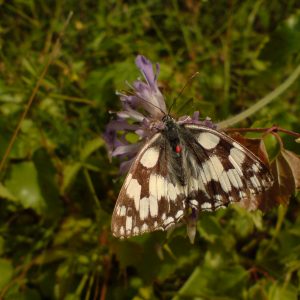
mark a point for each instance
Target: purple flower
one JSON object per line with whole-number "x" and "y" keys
{"x": 143, "y": 109}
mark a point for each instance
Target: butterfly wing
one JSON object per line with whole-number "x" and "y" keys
{"x": 212, "y": 171}
{"x": 221, "y": 170}
{"x": 149, "y": 199}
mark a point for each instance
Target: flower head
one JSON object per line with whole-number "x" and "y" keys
{"x": 143, "y": 109}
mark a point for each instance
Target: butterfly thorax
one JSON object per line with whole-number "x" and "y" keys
{"x": 171, "y": 132}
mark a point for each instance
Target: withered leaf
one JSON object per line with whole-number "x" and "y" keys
{"x": 285, "y": 169}
{"x": 293, "y": 161}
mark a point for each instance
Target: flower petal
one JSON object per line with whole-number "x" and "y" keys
{"x": 146, "y": 69}
{"x": 125, "y": 166}
{"x": 110, "y": 135}
{"x": 151, "y": 98}
{"x": 126, "y": 149}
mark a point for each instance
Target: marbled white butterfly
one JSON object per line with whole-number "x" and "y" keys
{"x": 185, "y": 167}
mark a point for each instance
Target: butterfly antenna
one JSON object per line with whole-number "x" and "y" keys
{"x": 182, "y": 90}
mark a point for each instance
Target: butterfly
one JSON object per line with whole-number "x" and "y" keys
{"x": 186, "y": 167}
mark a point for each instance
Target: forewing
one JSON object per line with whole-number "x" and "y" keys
{"x": 150, "y": 198}
{"x": 221, "y": 171}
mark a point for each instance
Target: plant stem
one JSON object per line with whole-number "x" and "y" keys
{"x": 262, "y": 102}
{"x": 51, "y": 58}
{"x": 266, "y": 130}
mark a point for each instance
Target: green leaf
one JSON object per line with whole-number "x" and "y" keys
{"x": 23, "y": 184}
{"x": 6, "y": 194}
{"x": 72, "y": 297}
{"x": 69, "y": 174}
{"x": 70, "y": 171}
{"x": 209, "y": 228}
{"x": 2, "y": 244}
{"x": 284, "y": 42}
{"x": 90, "y": 147}
{"x": 6, "y": 269}
{"x": 213, "y": 283}
{"x": 46, "y": 175}
{"x": 280, "y": 292}
{"x": 128, "y": 253}
{"x": 31, "y": 294}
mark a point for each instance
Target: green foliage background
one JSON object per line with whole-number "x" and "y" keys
{"x": 58, "y": 187}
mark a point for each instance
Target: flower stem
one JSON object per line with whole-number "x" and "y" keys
{"x": 50, "y": 60}
{"x": 266, "y": 130}
{"x": 262, "y": 102}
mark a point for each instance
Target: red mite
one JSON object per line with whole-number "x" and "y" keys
{"x": 178, "y": 149}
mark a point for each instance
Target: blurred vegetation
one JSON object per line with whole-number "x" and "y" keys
{"x": 58, "y": 187}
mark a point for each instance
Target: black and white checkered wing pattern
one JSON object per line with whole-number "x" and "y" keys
{"x": 182, "y": 169}
{"x": 150, "y": 199}
{"x": 220, "y": 170}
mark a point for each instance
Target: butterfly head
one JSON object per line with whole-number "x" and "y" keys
{"x": 167, "y": 118}
{"x": 169, "y": 123}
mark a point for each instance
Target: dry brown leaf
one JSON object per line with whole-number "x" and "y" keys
{"x": 293, "y": 161}
{"x": 285, "y": 169}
